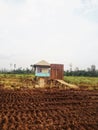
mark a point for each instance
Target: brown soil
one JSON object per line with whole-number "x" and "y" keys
{"x": 48, "y": 109}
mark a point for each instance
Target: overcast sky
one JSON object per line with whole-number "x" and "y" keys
{"x": 58, "y": 31}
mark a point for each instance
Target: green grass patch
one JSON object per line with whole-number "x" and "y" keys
{"x": 86, "y": 82}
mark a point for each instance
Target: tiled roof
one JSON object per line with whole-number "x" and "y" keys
{"x": 42, "y": 63}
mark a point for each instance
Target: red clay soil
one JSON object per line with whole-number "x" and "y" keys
{"x": 48, "y": 110}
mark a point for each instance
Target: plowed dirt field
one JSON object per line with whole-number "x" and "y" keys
{"x": 51, "y": 109}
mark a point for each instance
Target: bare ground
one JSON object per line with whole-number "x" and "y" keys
{"x": 48, "y": 109}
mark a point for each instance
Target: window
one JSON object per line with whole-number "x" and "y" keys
{"x": 39, "y": 70}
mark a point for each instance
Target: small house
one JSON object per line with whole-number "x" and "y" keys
{"x": 42, "y": 69}
{"x": 45, "y": 70}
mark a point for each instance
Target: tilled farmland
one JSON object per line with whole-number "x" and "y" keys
{"x": 48, "y": 109}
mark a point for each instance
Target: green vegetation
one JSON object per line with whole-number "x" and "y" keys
{"x": 17, "y": 71}
{"x": 89, "y": 72}
{"x": 83, "y": 82}
{"x": 13, "y": 81}
{"x": 16, "y": 75}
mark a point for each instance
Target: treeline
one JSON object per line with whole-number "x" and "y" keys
{"x": 81, "y": 73}
{"x": 90, "y": 72}
{"x": 17, "y": 71}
